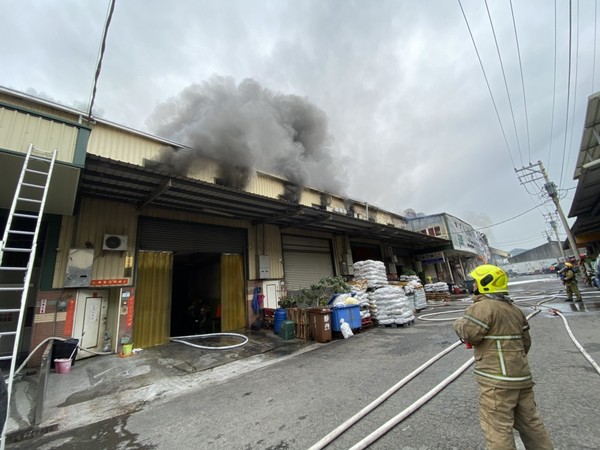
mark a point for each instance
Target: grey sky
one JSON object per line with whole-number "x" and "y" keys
{"x": 399, "y": 81}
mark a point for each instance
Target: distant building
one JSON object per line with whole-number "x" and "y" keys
{"x": 499, "y": 257}
{"x": 469, "y": 248}
{"x": 536, "y": 260}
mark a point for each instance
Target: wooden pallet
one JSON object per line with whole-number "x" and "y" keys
{"x": 303, "y": 331}
{"x": 396, "y": 325}
{"x": 300, "y": 318}
{"x": 438, "y": 296}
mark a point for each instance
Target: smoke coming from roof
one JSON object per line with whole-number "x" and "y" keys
{"x": 247, "y": 127}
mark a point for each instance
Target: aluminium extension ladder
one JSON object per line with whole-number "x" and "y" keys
{"x": 17, "y": 252}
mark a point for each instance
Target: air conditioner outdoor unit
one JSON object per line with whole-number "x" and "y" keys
{"x": 114, "y": 242}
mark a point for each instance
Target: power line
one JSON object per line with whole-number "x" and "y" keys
{"x": 553, "y": 87}
{"x": 595, "y": 41}
{"x": 512, "y": 113}
{"x": 111, "y": 9}
{"x": 487, "y": 84}
{"x": 562, "y": 167}
{"x": 522, "y": 82}
{"x": 574, "y": 88}
{"x": 512, "y": 218}
{"x": 505, "y": 244}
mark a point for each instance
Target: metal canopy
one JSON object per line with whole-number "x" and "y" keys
{"x": 119, "y": 181}
{"x": 586, "y": 203}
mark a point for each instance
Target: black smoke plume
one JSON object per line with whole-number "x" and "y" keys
{"x": 247, "y": 127}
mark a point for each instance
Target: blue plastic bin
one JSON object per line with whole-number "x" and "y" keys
{"x": 350, "y": 314}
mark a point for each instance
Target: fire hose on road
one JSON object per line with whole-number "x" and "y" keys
{"x": 385, "y": 428}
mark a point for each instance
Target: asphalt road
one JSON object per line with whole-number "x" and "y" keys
{"x": 294, "y": 403}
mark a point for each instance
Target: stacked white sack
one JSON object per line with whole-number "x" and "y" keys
{"x": 414, "y": 289}
{"x": 437, "y": 287}
{"x": 359, "y": 290}
{"x": 389, "y": 305}
{"x": 420, "y": 299}
{"x": 363, "y": 301}
{"x": 372, "y": 271}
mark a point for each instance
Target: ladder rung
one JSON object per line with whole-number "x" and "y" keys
{"x": 39, "y": 158}
{"x": 17, "y": 250}
{"x": 26, "y": 216}
{"x": 11, "y": 288}
{"x": 5, "y": 358}
{"x": 17, "y": 310}
{"x": 36, "y": 171}
{"x": 8, "y": 333}
{"x": 33, "y": 185}
{"x": 32, "y": 200}
{"x": 13, "y": 268}
{"x": 28, "y": 233}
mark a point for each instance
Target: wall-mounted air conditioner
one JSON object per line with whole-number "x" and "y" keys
{"x": 114, "y": 242}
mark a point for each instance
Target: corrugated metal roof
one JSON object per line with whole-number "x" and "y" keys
{"x": 120, "y": 181}
{"x": 586, "y": 202}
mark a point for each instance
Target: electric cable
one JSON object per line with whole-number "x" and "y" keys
{"x": 111, "y": 9}
{"x": 553, "y": 86}
{"x": 571, "y": 133}
{"x": 512, "y": 113}
{"x": 562, "y": 167}
{"x": 512, "y": 13}
{"x": 487, "y": 84}
{"x": 595, "y": 42}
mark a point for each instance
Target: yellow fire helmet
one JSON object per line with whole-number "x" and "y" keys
{"x": 490, "y": 279}
{"x": 568, "y": 264}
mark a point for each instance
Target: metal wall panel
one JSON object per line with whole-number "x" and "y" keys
{"x": 119, "y": 145}
{"x": 40, "y": 108}
{"x": 86, "y": 230}
{"x": 19, "y": 129}
{"x": 265, "y": 185}
{"x": 273, "y": 249}
{"x": 265, "y": 239}
{"x": 135, "y": 149}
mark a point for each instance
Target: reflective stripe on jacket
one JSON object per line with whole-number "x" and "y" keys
{"x": 499, "y": 333}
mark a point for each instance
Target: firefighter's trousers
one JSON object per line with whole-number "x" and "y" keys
{"x": 501, "y": 410}
{"x": 572, "y": 288}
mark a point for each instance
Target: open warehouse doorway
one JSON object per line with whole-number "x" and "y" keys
{"x": 207, "y": 264}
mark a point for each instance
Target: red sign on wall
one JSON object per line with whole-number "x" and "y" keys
{"x": 113, "y": 282}
{"x": 70, "y": 317}
{"x": 130, "y": 312}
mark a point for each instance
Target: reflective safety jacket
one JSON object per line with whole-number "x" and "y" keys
{"x": 499, "y": 333}
{"x": 569, "y": 275}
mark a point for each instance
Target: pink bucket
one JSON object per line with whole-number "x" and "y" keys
{"x": 62, "y": 365}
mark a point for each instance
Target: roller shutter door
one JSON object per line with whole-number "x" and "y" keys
{"x": 306, "y": 261}
{"x": 186, "y": 237}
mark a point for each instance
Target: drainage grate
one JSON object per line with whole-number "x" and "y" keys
{"x": 23, "y": 435}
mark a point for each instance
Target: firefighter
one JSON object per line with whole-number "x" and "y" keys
{"x": 567, "y": 276}
{"x": 498, "y": 331}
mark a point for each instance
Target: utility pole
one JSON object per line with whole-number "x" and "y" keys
{"x": 535, "y": 172}
{"x": 550, "y": 219}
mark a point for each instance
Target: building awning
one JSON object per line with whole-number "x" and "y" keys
{"x": 119, "y": 181}
{"x": 586, "y": 202}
